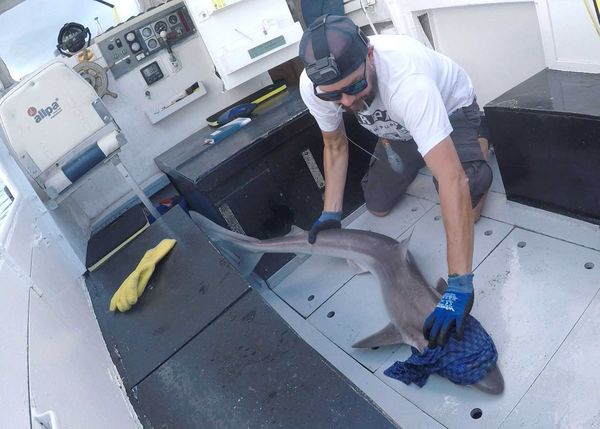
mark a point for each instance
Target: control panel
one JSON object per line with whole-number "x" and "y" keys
{"x": 152, "y": 73}
{"x": 134, "y": 42}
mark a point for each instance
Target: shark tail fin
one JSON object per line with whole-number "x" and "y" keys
{"x": 237, "y": 248}
{"x": 387, "y": 336}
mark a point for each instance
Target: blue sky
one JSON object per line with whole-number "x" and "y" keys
{"x": 29, "y": 30}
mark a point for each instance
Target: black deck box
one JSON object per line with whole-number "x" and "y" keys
{"x": 546, "y": 134}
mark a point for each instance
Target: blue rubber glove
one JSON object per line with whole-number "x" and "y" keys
{"x": 451, "y": 311}
{"x": 327, "y": 220}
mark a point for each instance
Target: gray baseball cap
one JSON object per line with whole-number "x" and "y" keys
{"x": 332, "y": 48}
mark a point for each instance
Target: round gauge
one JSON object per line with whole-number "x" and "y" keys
{"x": 130, "y": 37}
{"x": 173, "y": 19}
{"x": 152, "y": 43}
{"x": 160, "y": 26}
{"x": 135, "y": 46}
{"x": 146, "y": 32}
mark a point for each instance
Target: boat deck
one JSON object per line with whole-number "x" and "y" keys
{"x": 537, "y": 283}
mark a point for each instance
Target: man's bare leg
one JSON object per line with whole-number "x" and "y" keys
{"x": 485, "y": 149}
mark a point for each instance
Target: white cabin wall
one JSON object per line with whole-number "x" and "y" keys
{"x": 54, "y": 356}
{"x": 570, "y": 40}
{"x": 71, "y": 372}
{"x": 14, "y": 391}
{"x": 499, "y": 45}
{"x": 106, "y": 190}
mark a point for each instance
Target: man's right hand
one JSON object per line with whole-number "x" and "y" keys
{"x": 327, "y": 220}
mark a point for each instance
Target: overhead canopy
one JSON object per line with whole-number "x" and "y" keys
{"x": 8, "y": 4}
{"x": 148, "y": 4}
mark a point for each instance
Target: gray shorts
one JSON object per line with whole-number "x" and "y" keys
{"x": 383, "y": 187}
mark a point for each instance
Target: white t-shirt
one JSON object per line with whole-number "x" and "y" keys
{"x": 418, "y": 89}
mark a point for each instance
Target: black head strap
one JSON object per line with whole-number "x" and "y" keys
{"x": 319, "y": 39}
{"x": 324, "y": 69}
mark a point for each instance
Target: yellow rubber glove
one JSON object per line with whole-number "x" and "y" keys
{"x": 133, "y": 286}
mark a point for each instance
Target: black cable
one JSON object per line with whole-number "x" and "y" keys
{"x": 596, "y": 9}
{"x": 105, "y": 3}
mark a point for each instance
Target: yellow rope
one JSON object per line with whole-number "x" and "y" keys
{"x": 116, "y": 17}
{"x": 591, "y": 15}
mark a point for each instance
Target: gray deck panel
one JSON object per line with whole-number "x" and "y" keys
{"x": 358, "y": 306}
{"x": 566, "y": 393}
{"x": 428, "y": 243}
{"x": 544, "y": 222}
{"x": 358, "y": 311}
{"x": 528, "y": 299}
{"x": 404, "y": 215}
{"x": 321, "y": 277}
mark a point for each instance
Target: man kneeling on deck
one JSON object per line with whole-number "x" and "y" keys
{"x": 422, "y": 106}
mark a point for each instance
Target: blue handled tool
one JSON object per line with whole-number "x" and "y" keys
{"x": 244, "y": 107}
{"x": 226, "y": 130}
{"x": 241, "y": 110}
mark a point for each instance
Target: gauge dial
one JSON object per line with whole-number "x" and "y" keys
{"x": 135, "y": 46}
{"x": 146, "y": 32}
{"x": 130, "y": 37}
{"x": 173, "y": 19}
{"x": 160, "y": 26}
{"x": 152, "y": 43}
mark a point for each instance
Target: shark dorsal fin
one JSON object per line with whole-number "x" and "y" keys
{"x": 387, "y": 336}
{"x": 357, "y": 268}
{"x": 405, "y": 241}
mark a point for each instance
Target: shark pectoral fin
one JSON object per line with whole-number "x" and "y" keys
{"x": 387, "y": 336}
{"x": 441, "y": 286}
{"x": 356, "y": 268}
{"x": 246, "y": 263}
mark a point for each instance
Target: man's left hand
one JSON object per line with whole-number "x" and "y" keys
{"x": 451, "y": 311}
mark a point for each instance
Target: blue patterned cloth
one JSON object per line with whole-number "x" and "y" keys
{"x": 462, "y": 362}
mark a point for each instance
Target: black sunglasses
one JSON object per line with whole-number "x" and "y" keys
{"x": 351, "y": 89}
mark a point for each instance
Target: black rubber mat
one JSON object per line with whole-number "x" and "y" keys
{"x": 249, "y": 369}
{"x": 190, "y": 287}
{"x": 202, "y": 350}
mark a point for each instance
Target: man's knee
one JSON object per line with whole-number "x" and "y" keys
{"x": 381, "y": 199}
{"x": 485, "y": 148}
{"x": 382, "y": 186}
{"x": 378, "y": 213}
{"x": 480, "y": 180}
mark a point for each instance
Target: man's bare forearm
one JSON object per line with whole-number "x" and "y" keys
{"x": 335, "y": 163}
{"x": 458, "y": 221}
{"x": 455, "y": 199}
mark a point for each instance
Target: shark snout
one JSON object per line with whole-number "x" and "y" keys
{"x": 493, "y": 383}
